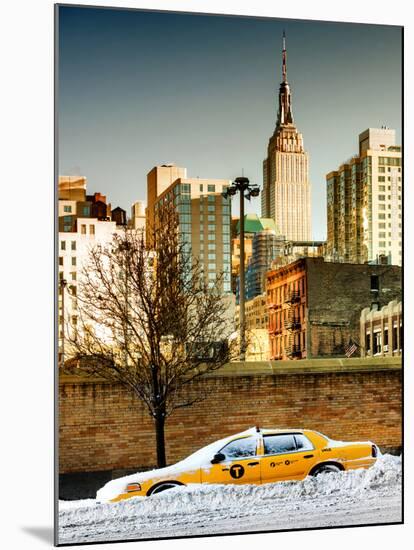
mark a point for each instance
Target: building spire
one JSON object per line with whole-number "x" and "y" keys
{"x": 284, "y": 115}
{"x": 284, "y": 68}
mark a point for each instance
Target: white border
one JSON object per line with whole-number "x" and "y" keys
{"x": 27, "y": 268}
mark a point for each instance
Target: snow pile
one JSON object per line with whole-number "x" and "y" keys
{"x": 201, "y": 505}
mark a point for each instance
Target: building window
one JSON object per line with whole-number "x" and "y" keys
{"x": 67, "y": 208}
{"x": 63, "y": 245}
{"x": 211, "y": 188}
{"x": 60, "y": 260}
{"x": 375, "y": 283}
{"x": 381, "y": 178}
{"x": 73, "y": 245}
{"x": 211, "y": 226}
{"x": 211, "y": 237}
{"x": 212, "y": 256}
{"x": 92, "y": 229}
{"x": 377, "y": 348}
{"x": 201, "y": 186}
{"x": 211, "y": 198}
{"x": 83, "y": 229}
{"x": 395, "y": 338}
{"x": 211, "y": 217}
{"x": 184, "y": 208}
{"x": 73, "y": 275}
{"x": 368, "y": 343}
{"x": 73, "y": 260}
{"x": 381, "y": 197}
{"x": 211, "y": 246}
{"x": 211, "y": 208}
{"x": 86, "y": 211}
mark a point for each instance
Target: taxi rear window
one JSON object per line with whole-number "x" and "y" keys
{"x": 275, "y": 444}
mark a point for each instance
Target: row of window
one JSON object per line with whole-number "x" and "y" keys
{"x": 382, "y": 216}
{"x": 86, "y": 210}
{"x": 212, "y": 256}
{"x": 383, "y": 188}
{"x": 73, "y": 260}
{"x": 389, "y": 161}
{"x": 279, "y": 294}
{"x": 383, "y": 244}
{"x": 212, "y": 237}
{"x": 63, "y": 245}
{"x": 383, "y": 197}
{"x": 273, "y": 444}
{"x": 380, "y": 341}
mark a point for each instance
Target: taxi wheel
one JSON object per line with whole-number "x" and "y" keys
{"x": 163, "y": 487}
{"x": 326, "y": 468}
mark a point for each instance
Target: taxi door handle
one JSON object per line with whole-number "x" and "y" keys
{"x": 308, "y": 456}
{"x": 252, "y": 463}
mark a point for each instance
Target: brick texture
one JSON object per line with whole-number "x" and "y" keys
{"x": 102, "y": 427}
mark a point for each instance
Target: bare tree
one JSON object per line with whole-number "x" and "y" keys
{"x": 150, "y": 320}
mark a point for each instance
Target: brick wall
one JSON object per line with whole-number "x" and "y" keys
{"x": 104, "y": 428}
{"x": 336, "y": 295}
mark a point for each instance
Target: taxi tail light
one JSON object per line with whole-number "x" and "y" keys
{"x": 374, "y": 451}
{"x": 133, "y": 487}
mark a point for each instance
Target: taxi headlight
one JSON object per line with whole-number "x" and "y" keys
{"x": 133, "y": 487}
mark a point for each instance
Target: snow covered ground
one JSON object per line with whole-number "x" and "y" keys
{"x": 349, "y": 498}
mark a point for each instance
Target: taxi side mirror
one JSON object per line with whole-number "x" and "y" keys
{"x": 219, "y": 457}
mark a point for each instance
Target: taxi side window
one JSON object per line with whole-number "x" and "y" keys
{"x": 275, "y": 444}
{"x": 303, "y": 443}
{"x": 240, "y": 448}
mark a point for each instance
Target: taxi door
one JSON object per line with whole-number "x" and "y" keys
{"x": 240, "y": 464}
{"x": 286, "y": 456}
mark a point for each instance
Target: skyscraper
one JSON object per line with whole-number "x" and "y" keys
{"x": 204, "y": 219}
{"x": 286, "y": 189}
{"x": 364, "y": 202}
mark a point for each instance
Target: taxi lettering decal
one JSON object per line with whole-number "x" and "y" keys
{"x": 237, "y": 471}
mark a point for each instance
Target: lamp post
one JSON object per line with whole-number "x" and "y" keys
{"x": 247, "y": 191}
{"x": 63, "y": 284}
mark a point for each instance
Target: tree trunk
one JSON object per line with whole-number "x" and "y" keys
{"x": 160, "y": 438}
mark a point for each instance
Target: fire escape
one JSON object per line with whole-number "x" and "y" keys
{"x": 292, "y": 324}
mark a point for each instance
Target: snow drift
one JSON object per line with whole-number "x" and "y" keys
{"x": 200, "y": 504}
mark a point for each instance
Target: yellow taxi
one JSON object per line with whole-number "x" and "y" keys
{"x": 254, "y": 456}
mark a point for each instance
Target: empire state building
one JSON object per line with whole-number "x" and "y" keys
{"x": 286, "y": 195}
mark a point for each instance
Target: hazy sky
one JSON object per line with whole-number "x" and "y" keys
{"x": 137, "y": 89}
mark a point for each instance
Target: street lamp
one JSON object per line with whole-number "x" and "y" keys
{"x": 63, "y": 283}
{"x": 247, "y": 191}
